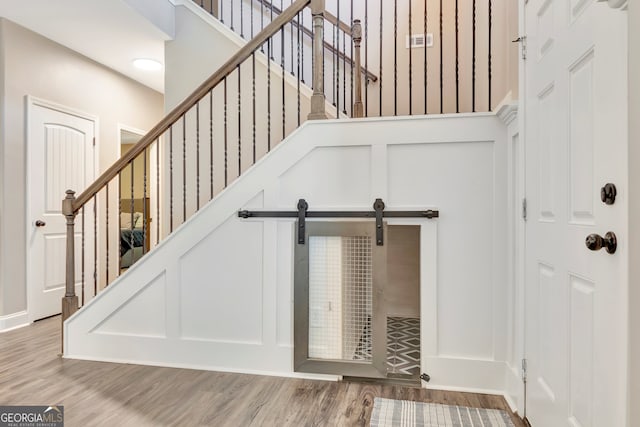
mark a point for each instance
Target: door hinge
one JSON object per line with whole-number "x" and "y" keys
{"x": 524, "y": 209}
{"x": 524, "y": 370}
{"x": 94, "y": 141}
{"x": 523, "y": 41}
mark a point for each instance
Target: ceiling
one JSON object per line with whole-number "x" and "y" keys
{"x": 108, "y": 31}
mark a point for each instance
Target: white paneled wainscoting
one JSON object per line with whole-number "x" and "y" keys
{"x": 218, "y": 293}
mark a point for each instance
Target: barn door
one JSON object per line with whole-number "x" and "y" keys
{"x": 340, "y": 321}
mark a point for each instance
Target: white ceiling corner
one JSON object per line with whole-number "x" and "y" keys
{"x": 111, "y": 32}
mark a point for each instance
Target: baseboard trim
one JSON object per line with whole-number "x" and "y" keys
{"x": 464, "y": 374}
{"x": 514, "y": 388}
{"x": 300, "y": 375}
{"x": 511, "y": 403}
{"x": 14, "y": 321}
{"x": 464, "y": 389}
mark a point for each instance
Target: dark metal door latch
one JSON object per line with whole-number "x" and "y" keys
{"x": 596, "y": 242}
{"x": 608, "y": 194}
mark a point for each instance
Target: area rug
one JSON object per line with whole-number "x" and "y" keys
{"x": 403, "y": 413}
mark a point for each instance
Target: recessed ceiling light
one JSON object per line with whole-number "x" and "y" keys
{"x": 147, "y": 64}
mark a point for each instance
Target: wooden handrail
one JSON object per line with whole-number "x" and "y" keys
{"x": 237, "y": 59}
{"x": 334, "y": 20}
{"x": 330, "y": 18}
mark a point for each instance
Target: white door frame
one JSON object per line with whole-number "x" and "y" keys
{"x": 634, "y": 212}
{"x": 516, "y": 235}
{"x": 520, "y": 335}
{"x": 30, "y": 103}
{"x": 127, "y": 128}
{"x": 428, "y": 230}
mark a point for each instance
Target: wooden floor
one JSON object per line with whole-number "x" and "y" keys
{"x": 95, "y": 393}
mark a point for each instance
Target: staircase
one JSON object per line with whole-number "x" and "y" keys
{"x": 256, "y": 99}
{"x": 185, "y": 161}
{"x": 242, "y": 111}
{"x": 199, "y": 287}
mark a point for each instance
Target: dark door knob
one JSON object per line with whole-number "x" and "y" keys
{"x": 596, "y": 242}
{"x": 608, "y": 194}
{"x": 40, "y": 223}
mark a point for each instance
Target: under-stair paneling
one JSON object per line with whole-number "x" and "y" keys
{"x": 435, "y": 169}
{"x": 284, "y": 274}
{"x": 229, "y": 281}
{"x": 320, "y": 179}
{"x": 150, "y": 300}
{"x": 223, "y": 299}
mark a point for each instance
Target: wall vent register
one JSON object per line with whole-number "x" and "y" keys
{"x": 419, "y": 40}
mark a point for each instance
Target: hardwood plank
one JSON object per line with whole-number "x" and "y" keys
{"x": 96, "y": 393}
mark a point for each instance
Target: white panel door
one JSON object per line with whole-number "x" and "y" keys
{"x": 575, "y": 120}
{"x": 61, "y": 156}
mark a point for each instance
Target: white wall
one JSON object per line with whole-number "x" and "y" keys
{"x": 34, "y": 65}
{"x": 217, "y": 294}
{"x": 159, "y": 12}
{"x": 634, "y": 213}
{"x": 402, "y": 290}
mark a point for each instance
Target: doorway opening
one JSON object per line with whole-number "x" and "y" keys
{"x": 135, "y": 203}
{"x": 402, "y": 297}
{"x": 357, "y": 304}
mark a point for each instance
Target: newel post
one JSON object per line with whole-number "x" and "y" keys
{"x": 318, "y": 98}
{"x": 356, "y": 36}
{"x": 70, "y": 299}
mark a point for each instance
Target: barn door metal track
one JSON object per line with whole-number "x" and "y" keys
{"x": 378, "y": 213}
